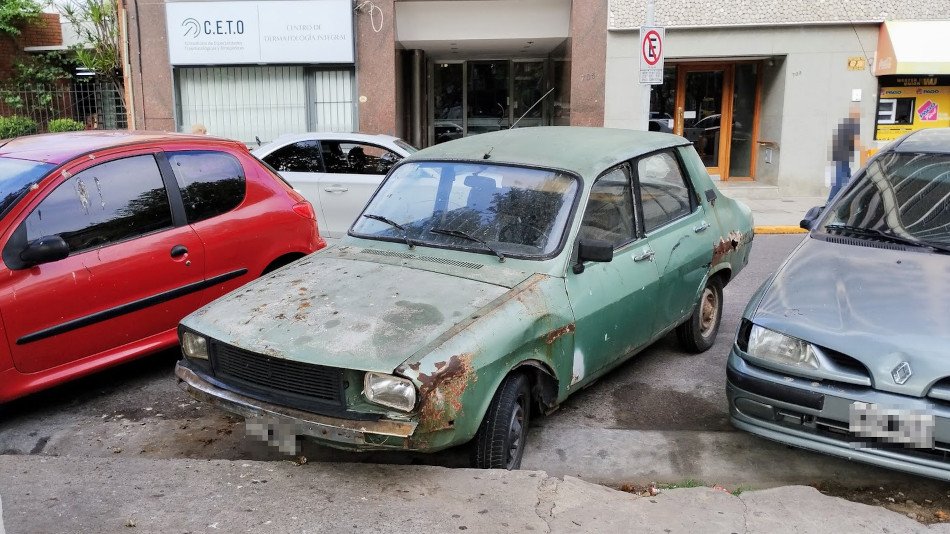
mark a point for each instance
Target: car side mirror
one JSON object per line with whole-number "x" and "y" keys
{"x": 811, "y": 217}
{"x": 45, "y": 250}
{"x": 593, "y": 250}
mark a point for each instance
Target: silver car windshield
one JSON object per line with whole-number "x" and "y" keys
{"x": 517, "y": 211}
{"x": 900, "y": 195}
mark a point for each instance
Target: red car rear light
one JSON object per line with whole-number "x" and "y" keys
{"x": 305, "y": 210}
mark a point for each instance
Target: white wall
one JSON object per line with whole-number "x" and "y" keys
{"x": 806, "y": 92}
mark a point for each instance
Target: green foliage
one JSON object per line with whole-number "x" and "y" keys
{"x": 15, "y": 126}
{"x": 65, "y": 125}
{"x": 98, "y": 31}
{"x": 14, "y": 14}
{"x": 32, "y": 83}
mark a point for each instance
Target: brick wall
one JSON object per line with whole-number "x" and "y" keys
{"x": 46, "y": 31}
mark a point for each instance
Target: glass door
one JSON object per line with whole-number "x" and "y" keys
{"x": 702, "y": 106}
{"x": 488, "y": 97}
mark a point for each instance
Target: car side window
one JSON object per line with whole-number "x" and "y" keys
{"x": 663, "y": 194}
{"x": 609, "y": 215}
{"x": 111, "y": 202}
{"x": 303, "y": 156}
{"x": 211, "y": 182}
{"x": 357, "y": 158}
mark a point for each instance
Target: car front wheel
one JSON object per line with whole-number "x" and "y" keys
{"x": 698, "y": 333}
{"x": 499, "y": 442}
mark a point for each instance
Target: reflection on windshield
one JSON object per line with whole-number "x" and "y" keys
{"x": 517, "y": 211}
{"x": 16, "y": 178}
{"x": 906, "y": 195}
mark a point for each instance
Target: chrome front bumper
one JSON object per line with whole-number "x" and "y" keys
{"x": 332, "y": 431}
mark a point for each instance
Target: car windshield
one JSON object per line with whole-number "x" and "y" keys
{"x": 16, "y": 178}
{"x": 516, "y": 211}
{"x": 900, "y": 195}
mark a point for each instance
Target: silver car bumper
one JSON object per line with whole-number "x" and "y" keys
{"x": 815, "y": 416}
{"x": 332, "y": 431}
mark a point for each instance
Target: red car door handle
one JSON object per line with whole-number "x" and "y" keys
{"x": 179, "y": 251}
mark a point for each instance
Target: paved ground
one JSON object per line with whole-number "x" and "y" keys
{"x": 58, "y": 494}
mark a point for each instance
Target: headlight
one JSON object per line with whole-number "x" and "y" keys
{"x": 389, "y": 390}
{"x": 194, "y": 346}
{"x": 779, "y": 348}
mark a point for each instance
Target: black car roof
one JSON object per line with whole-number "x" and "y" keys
{"x": 936, "y": 140}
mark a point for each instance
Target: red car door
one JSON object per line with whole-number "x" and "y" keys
{"x": 135, "y": 266}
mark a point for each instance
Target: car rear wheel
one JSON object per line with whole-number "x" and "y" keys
{"x": 499, "y": 442}
{"x": 698, "y": 333}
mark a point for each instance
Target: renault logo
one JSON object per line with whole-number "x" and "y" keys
{"x": 901, "y": 373}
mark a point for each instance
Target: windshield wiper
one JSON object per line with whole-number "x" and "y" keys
{"x": 888, "y": 236}
{"x": 469, "y": 237}
{"x": 394, "y": 224}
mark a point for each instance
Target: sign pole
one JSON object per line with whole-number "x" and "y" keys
{"x": 645, "y": 89}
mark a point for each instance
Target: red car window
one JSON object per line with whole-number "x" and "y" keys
{"x": 211, "y": 182}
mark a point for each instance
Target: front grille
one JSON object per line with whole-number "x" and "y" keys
{"x": 288, "y": 382}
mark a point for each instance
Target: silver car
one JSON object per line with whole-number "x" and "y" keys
{"x": 846, "y": 349}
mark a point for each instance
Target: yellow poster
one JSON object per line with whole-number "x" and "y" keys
{"x": 905, "y": 109}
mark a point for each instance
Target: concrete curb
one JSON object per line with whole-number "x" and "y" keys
{"x": 780, "y": 230}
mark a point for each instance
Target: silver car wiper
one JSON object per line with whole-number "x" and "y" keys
{"x": 888, "y": 236}
{"x": 394, "y": 224}
{"x": 469, "y": 237}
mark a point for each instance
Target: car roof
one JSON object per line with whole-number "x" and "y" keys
{"x": 343, "y": 136}
{"x": 59, "y": 148}
{"x": 581, "y": 150}
{"x": 935, "y": 140}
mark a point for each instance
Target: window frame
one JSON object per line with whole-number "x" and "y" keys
{"x": 694, "y": 203}
{"x": 637, "y": 227}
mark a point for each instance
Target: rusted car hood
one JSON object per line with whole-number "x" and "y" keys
{"x": 879, "y": 306}
{"x": 341, "y": 312}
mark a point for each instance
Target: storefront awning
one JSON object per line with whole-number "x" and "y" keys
{"x": 913, "y": 47}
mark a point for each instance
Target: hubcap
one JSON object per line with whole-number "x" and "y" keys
{"x": 709, "y": 312}
{"x": 515, "y": 433}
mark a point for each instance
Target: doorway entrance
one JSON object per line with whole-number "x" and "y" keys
{"x": 714, "y": 105}
{"x": 472, "y": 97}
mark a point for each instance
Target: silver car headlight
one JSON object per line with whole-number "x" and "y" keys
{"x": 194, "y": 346}
{"x": 388, "y": 390}
{"x": 779, "y": 348}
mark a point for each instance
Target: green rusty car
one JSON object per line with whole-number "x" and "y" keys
{"x": 488, "y": 278}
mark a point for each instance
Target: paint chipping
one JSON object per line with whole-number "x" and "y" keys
{"x": 441, "y": 392}
{"x": 553, "y": 335}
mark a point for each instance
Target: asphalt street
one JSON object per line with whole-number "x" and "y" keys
{"x": 662, "y": 416}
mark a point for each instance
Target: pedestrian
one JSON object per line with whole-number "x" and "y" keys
{"x": 845, "y": 138}
{"x": 199, "y": 129}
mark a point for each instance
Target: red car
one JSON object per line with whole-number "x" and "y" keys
{"x": 110, "y": 238}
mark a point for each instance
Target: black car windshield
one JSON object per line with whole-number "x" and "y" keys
{"x": 903, "y": 195}
{"x": 17, "y": 176}
{"x": 517, "y": 211}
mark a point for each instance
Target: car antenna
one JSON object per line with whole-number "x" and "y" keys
{"x": 532, "y": 107}
{"x": 488, "y": 154}
{"x": 258, "y": 139}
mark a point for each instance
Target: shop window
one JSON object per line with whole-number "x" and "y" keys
{"x": 895, "y": 111}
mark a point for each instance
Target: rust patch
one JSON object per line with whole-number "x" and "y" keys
{"x": 553, "y": 335}
{"x": 726, "y": 245}
{"x": 441, "y": 392}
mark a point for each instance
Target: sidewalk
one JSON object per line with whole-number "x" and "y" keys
{"x": 773, "y": 213}
{"x": 63, "y": 494}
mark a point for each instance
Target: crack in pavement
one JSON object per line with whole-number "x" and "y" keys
{"x": 745, "y": 514}
{"x": 544, "y": 509}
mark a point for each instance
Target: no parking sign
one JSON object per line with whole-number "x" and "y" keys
{"x": 651, "y": 54}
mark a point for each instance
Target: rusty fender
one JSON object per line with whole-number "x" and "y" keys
{"x": 441, "y": 392}
{"x": 726, "y": 245}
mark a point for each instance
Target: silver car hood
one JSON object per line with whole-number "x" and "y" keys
{"x": 339, "y": 312}
{"x": 877, "y": 305}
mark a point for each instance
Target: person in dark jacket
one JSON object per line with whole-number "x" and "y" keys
{"x": 846, "y": 137}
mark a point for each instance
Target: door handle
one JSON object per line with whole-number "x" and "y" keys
{"x": 179, "y": 251}
{"x": 645, "y": 255}
{"x": 335, "y": 189}
{"x": 701, "y": 227}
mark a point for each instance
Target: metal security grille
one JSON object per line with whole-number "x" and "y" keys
{"x": 264, "y": 102}
{"x": 97, "y": 105}
{"x": 274, "y": 376}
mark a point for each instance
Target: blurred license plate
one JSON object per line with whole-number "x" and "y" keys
{"x": 272, "y": 430}
{"x": 912, "y": 428}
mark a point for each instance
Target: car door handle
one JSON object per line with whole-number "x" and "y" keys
{"x": 645, "y": 255}
{"x": 336, "y": 189}
{"x": 701, "y": 227}
{"x": 179, "y": 251}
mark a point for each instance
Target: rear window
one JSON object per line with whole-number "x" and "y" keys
{"x": 211, "y": 182}
{"x": 17, "y": 176}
